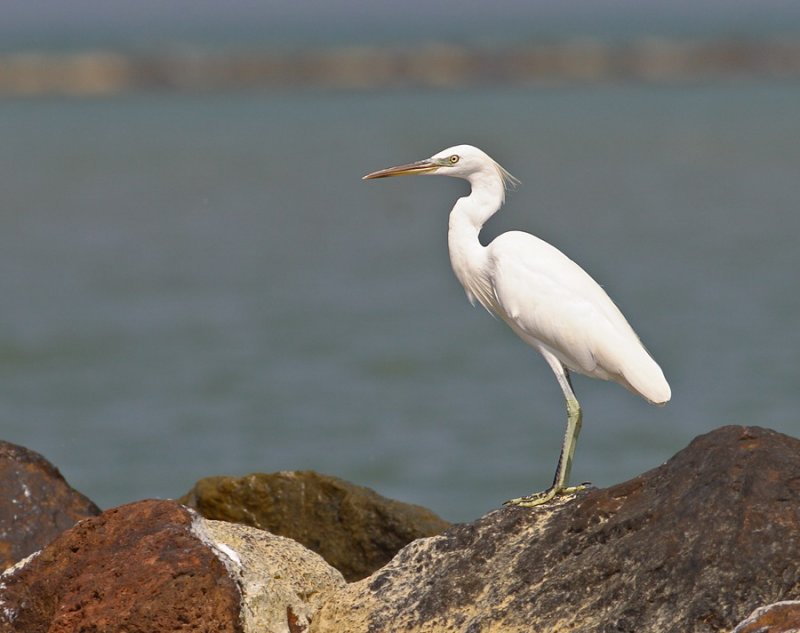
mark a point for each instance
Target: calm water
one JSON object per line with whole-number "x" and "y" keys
{"x": 202, "y": 285}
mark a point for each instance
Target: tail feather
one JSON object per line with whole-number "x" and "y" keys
{"x": 645, "y": 378}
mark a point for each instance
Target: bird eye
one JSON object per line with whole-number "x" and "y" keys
{"x": 453, "y": 159}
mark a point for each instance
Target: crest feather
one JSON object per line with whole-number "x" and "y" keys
{"x": 510, "y": 182}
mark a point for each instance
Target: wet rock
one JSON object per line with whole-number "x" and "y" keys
{"x": 694, "y": 545}
{"x": 158, "y": 566}
{"x": 781, "y": 617}
{"x": 36, "y": 503}
{"x": 353, "y": 528}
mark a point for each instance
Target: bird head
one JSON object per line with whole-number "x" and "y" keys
{"x": 460, "y": 161}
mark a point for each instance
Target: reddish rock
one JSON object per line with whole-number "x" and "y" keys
{"x": 353, "y": 528}
{"x": 781, "y": 617}
{"x": 692, "y": 546}
{"x": 36, "y": 503}
{"x": 138, "y": 568}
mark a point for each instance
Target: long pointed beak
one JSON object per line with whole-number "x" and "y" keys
{"x": 412, "y": 169}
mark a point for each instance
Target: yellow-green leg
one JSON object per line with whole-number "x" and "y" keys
{"x": 574, "y": 420}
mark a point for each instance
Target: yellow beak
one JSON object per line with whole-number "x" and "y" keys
{"x": 412, "y": 169}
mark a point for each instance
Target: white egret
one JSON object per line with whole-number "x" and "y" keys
{"x": 549, "y": 301}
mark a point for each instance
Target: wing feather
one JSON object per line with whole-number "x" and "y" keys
{"x": 551, "y": 302}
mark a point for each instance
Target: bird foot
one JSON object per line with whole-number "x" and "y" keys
{"x": 540, "y": 498}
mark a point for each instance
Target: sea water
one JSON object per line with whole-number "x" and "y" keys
{"x": 196, "y": 285}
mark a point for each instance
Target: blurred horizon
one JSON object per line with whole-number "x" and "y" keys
{"x": 243, "y": 23}
{"x": 100, "y": 50}
{"x": 94, "y": 48}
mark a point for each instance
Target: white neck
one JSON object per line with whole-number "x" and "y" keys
{"x": 467, "y": 255}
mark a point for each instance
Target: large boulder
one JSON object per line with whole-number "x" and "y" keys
{"x": 698, "y": 544}
{"x": 353, "y": 528}
{"x": 694, "y": 545}
{"x": 158, "y": 566}
{"x": 36, "y": 503}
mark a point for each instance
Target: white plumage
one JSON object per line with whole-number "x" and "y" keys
{"x": 567, "y": 313}
{"x": 549, "y": 301}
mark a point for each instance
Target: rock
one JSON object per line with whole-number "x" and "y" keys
{"x": 137, "y": 568}
{"x": 282, "y": 583}
{"x": 780, "y": 617}
{"x": 692, "y": 546}
{"x": 158, "y": 566}
{"x": 353, "y": 528}
{"x": 36, "y": 503}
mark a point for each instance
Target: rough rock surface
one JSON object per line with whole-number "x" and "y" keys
{"x": 137, "y": 568}
{"x": 36, "y": 503}
{"x": 282, "y": 583}
{"x": 781, "y": 617}
{"x": 692, "y": 546}
{"x": 353, "y": 528}
{"x": 158, "y": 566}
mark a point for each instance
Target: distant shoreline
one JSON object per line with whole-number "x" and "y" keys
{"x": 651, "y": 59}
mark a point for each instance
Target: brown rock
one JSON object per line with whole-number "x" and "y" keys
{"x": 781, "y": 617}
{"x": 137, "y": 568}
{"x": 158, "y": 566}
{"x": 36, "y": 503}
{"x": 353, "y": 528}
{"x": 692, "y": 546}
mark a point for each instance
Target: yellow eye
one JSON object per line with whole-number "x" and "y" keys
{"x": 453, "y": 159}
